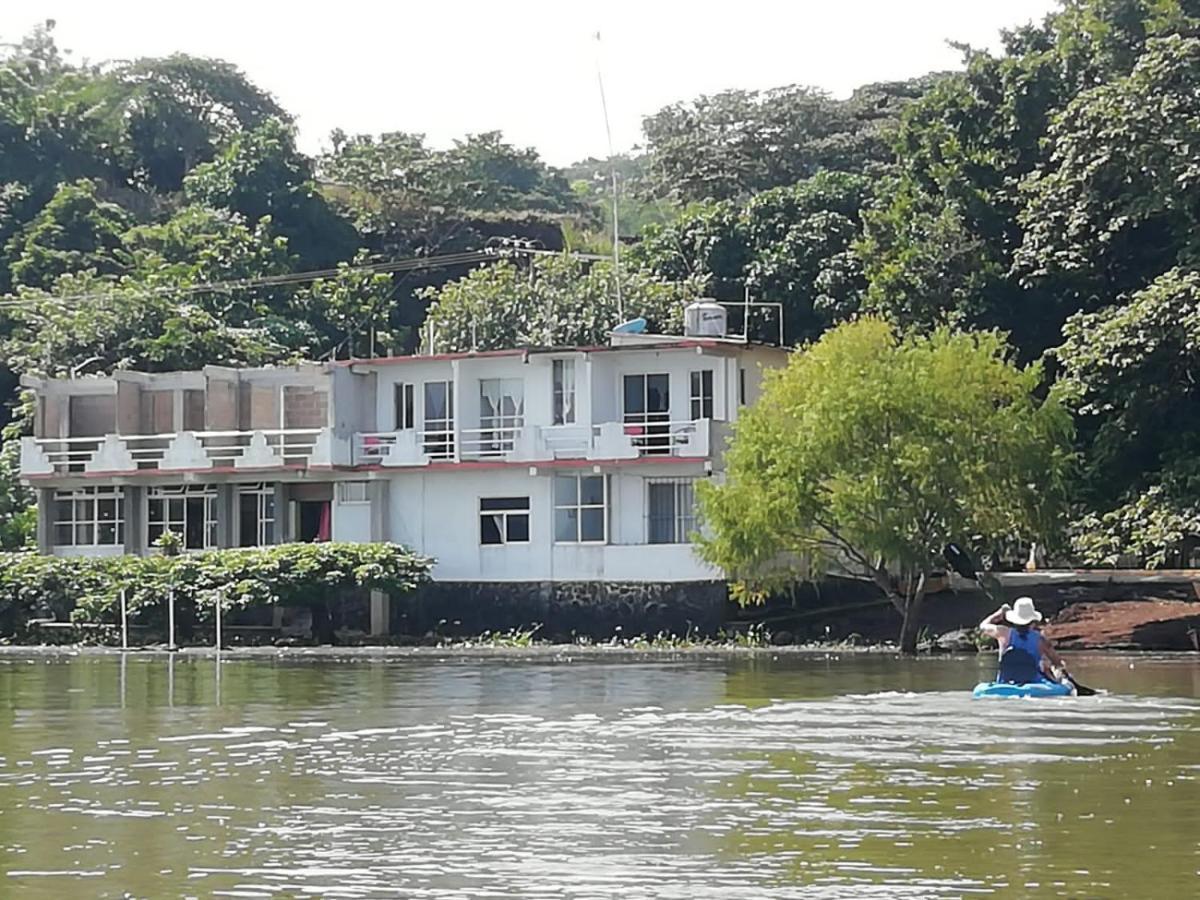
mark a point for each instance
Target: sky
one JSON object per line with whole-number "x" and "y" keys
{"x": 528, "y": 69}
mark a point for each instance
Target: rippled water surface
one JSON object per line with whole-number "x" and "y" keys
{"x": 743, "y": 777}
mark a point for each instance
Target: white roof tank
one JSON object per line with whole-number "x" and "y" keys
{"x": 705, "y": 318}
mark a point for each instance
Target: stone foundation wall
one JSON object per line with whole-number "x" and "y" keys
{"x": 597, "y": 610}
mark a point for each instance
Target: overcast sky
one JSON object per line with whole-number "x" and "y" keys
{"x": 527, "y": 69}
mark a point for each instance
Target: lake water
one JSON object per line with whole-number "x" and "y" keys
{"x": 439, "y": 776}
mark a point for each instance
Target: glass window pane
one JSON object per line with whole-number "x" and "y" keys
{"x": 83, "y": 534}
{"x": 155, "y": 510}
{"x": 107, "y": 534}
{"x": 435, "y": 400}
{"x": 106, "y": 510}
{"x": 63, "y": 511}
{"x": 658, "y": 390}
{"x": 591, "y": 525}
{"x": 566, "y": 525}
{"x": 83, "y": 510}
{"x": 635, "y": 393}
{"x": 64, "y": 535}
{"x": 489, "y": 530}
{"x": 565, "y": 490}
{"x": 498, "y": 503}
{"x": 175, "y": 510}
{"x": 591, "y": 490}
{"x": 518, "y": 528}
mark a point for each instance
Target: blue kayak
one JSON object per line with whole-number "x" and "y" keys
{"x": 1045, "y": 688}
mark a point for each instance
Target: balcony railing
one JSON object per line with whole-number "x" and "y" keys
{"x": 533, "y": 443}
{"x": 182, "y": 451}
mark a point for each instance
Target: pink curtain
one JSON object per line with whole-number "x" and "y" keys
{"x": 325, "y": 529}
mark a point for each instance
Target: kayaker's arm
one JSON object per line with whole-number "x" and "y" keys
{"x": 991, "y": 625}
{"x": 1051, "y": 654}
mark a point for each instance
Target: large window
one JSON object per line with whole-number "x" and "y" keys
{"x": 404, "y": 412}
{"x": 647, "y": 411}
{"x": 564, "y": 391}
{"x": 190, "y": 511}
{"x": 439, "y": 419}
{"x": 89, "y": 517}
{"x": 504, "y": 520}
{"x": 670, "y": 510}
{"x": 501, "y": 413}
{"x": 580, "y": 509}
{"x": 256, "y": 515}
{"x": 702, "y": 394}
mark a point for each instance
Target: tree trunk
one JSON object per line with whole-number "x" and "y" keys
{"x": 911, "y": 621}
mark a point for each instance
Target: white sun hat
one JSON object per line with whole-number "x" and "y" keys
{"x": 1023, "y": 612}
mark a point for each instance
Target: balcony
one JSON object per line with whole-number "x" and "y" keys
{"x": 179, "y": 452}
{"x": 534, "y": 443}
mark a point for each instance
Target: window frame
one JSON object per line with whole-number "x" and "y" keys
{"x": 404, "y": 406}
{"x": 700, "y": 394}
{"x": 579, "y": 506}
{"x": 683, "y": 514}
{"x": 503, "y": 514}
{"x": 165, "y": 494}
{"x": 563, "y": 413}
{"x": 90, "y": 496}
{"x": 264, "y": 525}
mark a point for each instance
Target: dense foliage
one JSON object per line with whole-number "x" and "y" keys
{"x": 89, "y": 589}
{"x": 870, "y": 452}
{"x": 1046, "y": 191}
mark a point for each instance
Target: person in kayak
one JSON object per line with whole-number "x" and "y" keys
{"x": 1026, "y": 655}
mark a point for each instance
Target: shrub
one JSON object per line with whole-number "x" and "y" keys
{"x": 89, "y": 589}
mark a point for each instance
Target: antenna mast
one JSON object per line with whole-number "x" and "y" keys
{"x": 612, "y": 162}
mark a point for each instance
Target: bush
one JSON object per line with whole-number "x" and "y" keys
{"x": 89, "y": 589}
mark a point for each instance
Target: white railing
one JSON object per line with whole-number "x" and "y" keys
{"x": 532, "y": 443}
{"x": 184, "y": 450}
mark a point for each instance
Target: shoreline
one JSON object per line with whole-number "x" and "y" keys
{"x": 535, "y": 652}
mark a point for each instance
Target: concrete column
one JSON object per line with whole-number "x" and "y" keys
{"x": 380, "y": 613}
{"x": 380, "y": 494}
{"x": 45, "y": 521}
{"x": 135, "y": 520}
{"x": 283, "y": 515}
{"x": 227, "y": 535}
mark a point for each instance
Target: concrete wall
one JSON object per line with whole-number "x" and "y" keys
{"x": 563, "y": 609}
{"x": 93, "y": 415}
{"x": 305, "y": 407}
{"x": 437, "y": 513}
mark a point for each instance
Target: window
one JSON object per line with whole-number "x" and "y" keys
{"x": 352, "y": 492}
{"x": 580, "y": 509}
{"x": 504, "y": 520}
{"x": 702, "y": 395}
{"x": 89, "y": 517}
{"x": 564, "y": 391}
{"x": 501, "y": 414}
{"x": 647, "y": 404}
{"x": 256, "y": 515}
{"x": 190, "y": 511}
{"x": 670, "y": 510}
{"x": 439, "y": 419}
{"x": 403, "y": 399}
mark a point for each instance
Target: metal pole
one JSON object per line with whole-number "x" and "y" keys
{"x": 218, "y": 622}
{"x": 171, "y": 620}
{"x": 124, "y": 622}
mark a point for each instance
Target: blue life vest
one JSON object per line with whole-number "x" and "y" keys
{"x": 1019, "y": 663}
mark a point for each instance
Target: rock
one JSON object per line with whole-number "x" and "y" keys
{"x": 961, "y": 640}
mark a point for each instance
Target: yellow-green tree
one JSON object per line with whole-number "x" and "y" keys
{"x": 869, "y": 452}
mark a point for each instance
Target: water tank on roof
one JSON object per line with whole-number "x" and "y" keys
{"x": 705, "y": 318}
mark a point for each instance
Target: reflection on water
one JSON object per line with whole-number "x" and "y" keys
{"x": 858, "y": 776}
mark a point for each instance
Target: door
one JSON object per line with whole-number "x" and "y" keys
{"x": 439, "y": 419}
{"x": 647, "y": 411}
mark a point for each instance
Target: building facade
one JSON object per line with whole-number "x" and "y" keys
{"x": 529, "y": 465}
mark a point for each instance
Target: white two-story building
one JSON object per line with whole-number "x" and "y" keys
{"x": 527, "y": 465}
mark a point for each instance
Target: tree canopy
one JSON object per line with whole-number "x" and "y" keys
{"x": 869, "y": 452}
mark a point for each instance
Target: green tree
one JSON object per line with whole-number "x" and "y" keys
{"x": 869, "y": 452}
{"x": 76, "y": 230}
{"x": 558, "y": 301}
{"x": 1128, "y": 373}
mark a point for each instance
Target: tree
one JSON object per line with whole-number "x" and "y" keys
{"x": 76, "y": 230}
{"x": 1128, "y": 373}
{"x": 557, "y": 301}
{"x": 261, "y": 174}
{"x": 869, "y": 452}
{"x": 790, "y": 245}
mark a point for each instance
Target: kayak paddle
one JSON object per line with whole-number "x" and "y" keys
{"x": 961, "y": 562}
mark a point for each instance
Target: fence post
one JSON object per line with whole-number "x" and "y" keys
{"x": 171, "y": 619}
{"x": 124, "y": 622}
{"x": 219, "y": 605}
